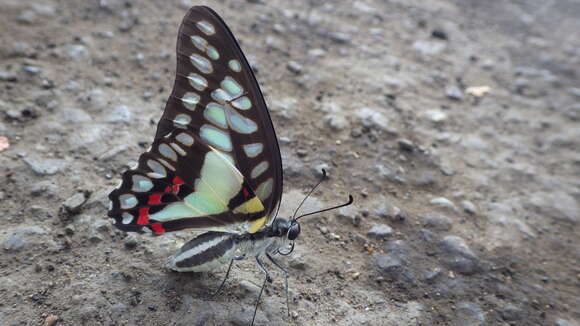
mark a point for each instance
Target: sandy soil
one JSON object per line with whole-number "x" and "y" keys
{"x": 455, "y": 124}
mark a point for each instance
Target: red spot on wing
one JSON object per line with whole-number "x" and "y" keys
{"x": 178, "y": 181}
{"x": 157, "y": 228}
{"x": 245, "y": 192}
{"x": 143, "y": 216}
{"x": 175, "y": 189}
{"x": 154, "y": 199}
{"x": 168, "y": 189}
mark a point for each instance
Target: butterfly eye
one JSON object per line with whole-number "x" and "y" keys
{"x": 294, "y": 231}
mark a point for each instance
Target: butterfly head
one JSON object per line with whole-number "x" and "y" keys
{"x": 289, "y": 229}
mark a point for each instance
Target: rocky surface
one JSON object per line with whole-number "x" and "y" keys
{"x": 454, "y": 124}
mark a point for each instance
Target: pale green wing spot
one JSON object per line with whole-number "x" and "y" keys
{"x": 253, "y": 150}
{"x": 206, "y": 27}
{"x": 190, "y": 100}
{"x": 141, "y": 183}
{"x": 128, "y": 201}
{"x": 242, "y": 103}
{"x": 201, "y": 63}
{"x": 197, "y": 81}
{"x": 212, "y": 53}
{"x": 232, "y": 87}
{"x": 229, "y": 158}
{"x": 240, "y": 123}
{"x": 216, "y": 137}
{"x": 182, "y": 119}
{"x": 166, "y": 164}
{"x": 205, "y": 202}
{"x": 235, "y": 65}
{"x": 199, "y": 42}
{"x": 168, "y": 152}
{"x": 220, "y": 176}
{"x": 221, "y": 96}
{"x": 264, "y": 190}
{"x": 185, "y": 139}
{"x": 127, "y": 218}
{"x": 215, "y": 114}
{"x": 158, "y": 169}
{"x": 219, "y": 182}
{"x": 178, "y": 149}
{"x": 175, "y": 211}
{"x": 259, "y": 169}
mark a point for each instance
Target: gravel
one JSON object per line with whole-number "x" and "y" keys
{"x": 45, "y": 166}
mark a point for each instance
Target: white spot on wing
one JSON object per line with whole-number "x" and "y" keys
{"x": 182, "y": 120}
{"x": 141, "y": 183}
{"x": 197, "y": 81}
{"x": 199, "y": 42}
{"x": 235, "y": 65}
{"x": 167, "y": 165}
{"x": 216, "y": 137}
{"x": 206, "y": 27}
{"x": 201, "y": 63}
{"x": 185, "y": 139}
{"x": 190, "y": 100}
{"x": 168, "y": 152}
{"x": 264, "y": 190}
{"x": 253, "y": 150}
{"x": 158, "y": 169}
{"x": 178, "y": 149}
{"x": 127, "y": 218}
{"x": 240, "y": 123}
{"x": 259, "y": 169}
{"x": 242, "y": 103}
{"x": 128, "y": 201}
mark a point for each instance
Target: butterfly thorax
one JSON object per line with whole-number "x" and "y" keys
{"x": 270, "y": 239}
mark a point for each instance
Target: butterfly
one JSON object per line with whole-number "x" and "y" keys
{"x": 214, "y": 164}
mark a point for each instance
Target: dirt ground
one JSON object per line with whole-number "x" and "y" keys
{"x": 454, "y": 124}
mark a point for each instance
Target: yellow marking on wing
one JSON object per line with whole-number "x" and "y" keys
{"x": 253, "y": 205}
{"x": 257, "y": 224}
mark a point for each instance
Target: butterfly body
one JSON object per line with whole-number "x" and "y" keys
{"x": 212, "y": 249}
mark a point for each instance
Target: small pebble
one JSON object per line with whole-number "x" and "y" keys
{"x": 443, "y": 202}
{"x": 436, "y": 116}
{"x": 454, "y": 93}
{"x": 406, "y": 144}
{"x": 380, "y": 231}
{"x": 50, "y": 320}
{"x": 294, "y": 67}
{"x": 468, "y": 207}
{"x": 74, "y": 204}
{"x": 7, "y": 76}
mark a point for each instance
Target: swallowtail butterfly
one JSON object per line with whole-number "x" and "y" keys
{"x": 215, "y": 162}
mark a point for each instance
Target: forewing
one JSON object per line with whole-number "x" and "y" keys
{"x": 215, "y": 161}
{"x": 216, "y": 93}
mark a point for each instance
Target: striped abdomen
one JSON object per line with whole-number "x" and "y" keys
{"x": 205, "y": 252}
{"x": 211, "y": 250}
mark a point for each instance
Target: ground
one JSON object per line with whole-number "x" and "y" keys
{"x": 454, "y": 124}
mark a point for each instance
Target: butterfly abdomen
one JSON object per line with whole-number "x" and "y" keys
{"x": 212, "y": 249}
{"x": 204, "y": 253}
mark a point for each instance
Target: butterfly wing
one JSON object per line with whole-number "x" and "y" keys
{"x": 215, "y": 161}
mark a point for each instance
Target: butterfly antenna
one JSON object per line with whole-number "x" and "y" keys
{"x": 309, "y": 193}
{"x": 350, "y": 200}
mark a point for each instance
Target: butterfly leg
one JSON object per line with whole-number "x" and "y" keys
{"x": 285, "y": 280}
{"x": 267, "y": 279}
{"x": 227, "y": 274}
